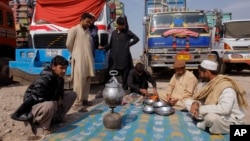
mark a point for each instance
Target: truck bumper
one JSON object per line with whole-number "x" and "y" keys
{"x": 167, "y": 60}
{"x": 237, "y": 57}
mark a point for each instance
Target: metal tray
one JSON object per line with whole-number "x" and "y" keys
{"x": 149, "y": 101}
{"x": 148, "y": 109}
{"x": 164, "y": 111}
{"x": 159, "y": 104}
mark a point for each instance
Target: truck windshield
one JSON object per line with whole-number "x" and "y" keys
{"x": 237, "y": 29}
{"x": 194, "y": 21}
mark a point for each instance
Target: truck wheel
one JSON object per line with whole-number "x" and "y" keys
{"x": 150, "y": 70}
{"x": 5, "y": 78}
{"x": 196, "y": 73}
{"x": 224, "y": 69}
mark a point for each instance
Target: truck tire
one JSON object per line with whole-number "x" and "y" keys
{"x": 5, "y": 78}
{"x": 150, "y": 70}
{"x": 222, "y": 67}
{"x": 196, "y": 73}
{"x": 221, "y": 64}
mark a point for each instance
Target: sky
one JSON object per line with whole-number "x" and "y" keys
{"x": 134, "y": 9}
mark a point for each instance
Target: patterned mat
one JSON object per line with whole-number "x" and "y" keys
{"x": 136, "y": 126}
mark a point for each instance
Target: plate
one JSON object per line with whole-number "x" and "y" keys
{"x": 164, "y": 111}
{"x": 149, "y": 101}
{"x": 159, "y": 104}
{"x": 148, "y": 109}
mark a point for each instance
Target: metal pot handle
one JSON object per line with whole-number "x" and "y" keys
{"x": 113, "y": 72}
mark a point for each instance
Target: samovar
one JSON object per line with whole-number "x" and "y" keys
{"x": 113, "y": 95}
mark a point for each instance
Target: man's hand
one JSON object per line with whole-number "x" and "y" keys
{"x": 100, "y": 47}
{"x": 168, "y": 97}
{"x": 155, "y": 92}
{"x": 60, "y": 101}
{"x": 144, "y": 92}
{"x": 172, "y": 101}
{"x": 195, "y": 109}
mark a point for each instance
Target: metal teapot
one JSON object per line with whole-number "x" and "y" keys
{"x": 113, "y": 91}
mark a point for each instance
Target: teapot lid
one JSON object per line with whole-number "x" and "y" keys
{"x": 113, "y": 83}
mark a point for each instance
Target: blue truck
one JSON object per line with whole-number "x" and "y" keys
{"x": 174, "y": 33}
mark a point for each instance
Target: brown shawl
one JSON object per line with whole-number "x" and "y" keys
{"x": 213, "y": 89}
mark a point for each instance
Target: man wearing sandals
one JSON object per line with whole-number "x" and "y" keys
{"x": 79, "y": 44}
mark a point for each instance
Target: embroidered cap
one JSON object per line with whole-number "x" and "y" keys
{"x": 179, "y": 64}
{"x": 209, "y": 65}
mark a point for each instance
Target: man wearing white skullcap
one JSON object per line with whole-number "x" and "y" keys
{"x": 219, "y": 103}
{"x": 180, "y": 87}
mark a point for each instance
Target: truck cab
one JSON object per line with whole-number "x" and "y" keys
{"x": 233, "y": 46}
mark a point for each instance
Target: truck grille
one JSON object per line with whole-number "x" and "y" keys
{"x": 50, "y": 41}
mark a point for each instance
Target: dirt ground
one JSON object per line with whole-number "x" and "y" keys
{"x": 11, "y": 97}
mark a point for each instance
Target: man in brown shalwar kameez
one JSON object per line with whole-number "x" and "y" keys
{"x": 82, "y": 62}
{"x": 180, "y": 87}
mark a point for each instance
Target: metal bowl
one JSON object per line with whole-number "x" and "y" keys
{"x": 159, "y": 104}
{"x": 164, "y": 111}
{"x": 149, "y": 101}
{"x": 148, "y": 109}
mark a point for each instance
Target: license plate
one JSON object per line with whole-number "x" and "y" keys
{"x": 184, "y": 57}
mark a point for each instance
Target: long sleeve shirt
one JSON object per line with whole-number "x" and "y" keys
{"x": 182, "y": 87}
{"x": 119, "y": 47}
{"x": 227, "y": 107}
{"x": 136, "y": 82}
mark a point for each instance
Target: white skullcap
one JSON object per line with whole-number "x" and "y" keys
{"x": 209, "y": 65}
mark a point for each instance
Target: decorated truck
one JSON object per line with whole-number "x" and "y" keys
{"x": 48, "y": 32}
{"x": 231, "y": 42}
{"x": 7, "y": 41}
{"x": 174, "y": 33}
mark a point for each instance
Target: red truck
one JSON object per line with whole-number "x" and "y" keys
{"x": 7, "y": 41}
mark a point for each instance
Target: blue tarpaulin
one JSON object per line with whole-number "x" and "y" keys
{"x": 136, "y": 126}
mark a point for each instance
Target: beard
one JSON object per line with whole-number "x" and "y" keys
{"x": 204, "y": 79}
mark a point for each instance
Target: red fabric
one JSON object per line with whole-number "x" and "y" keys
{"x": 66, "y": 13}
{"x": 183, "y": 32}
{"x": 5, "y": 1}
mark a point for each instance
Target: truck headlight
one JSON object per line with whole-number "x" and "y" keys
{"x": 22, "y": 54}
{"x": 154, "y": 57}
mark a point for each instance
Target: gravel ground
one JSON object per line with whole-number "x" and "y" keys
{"x": 11, "y": 97}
